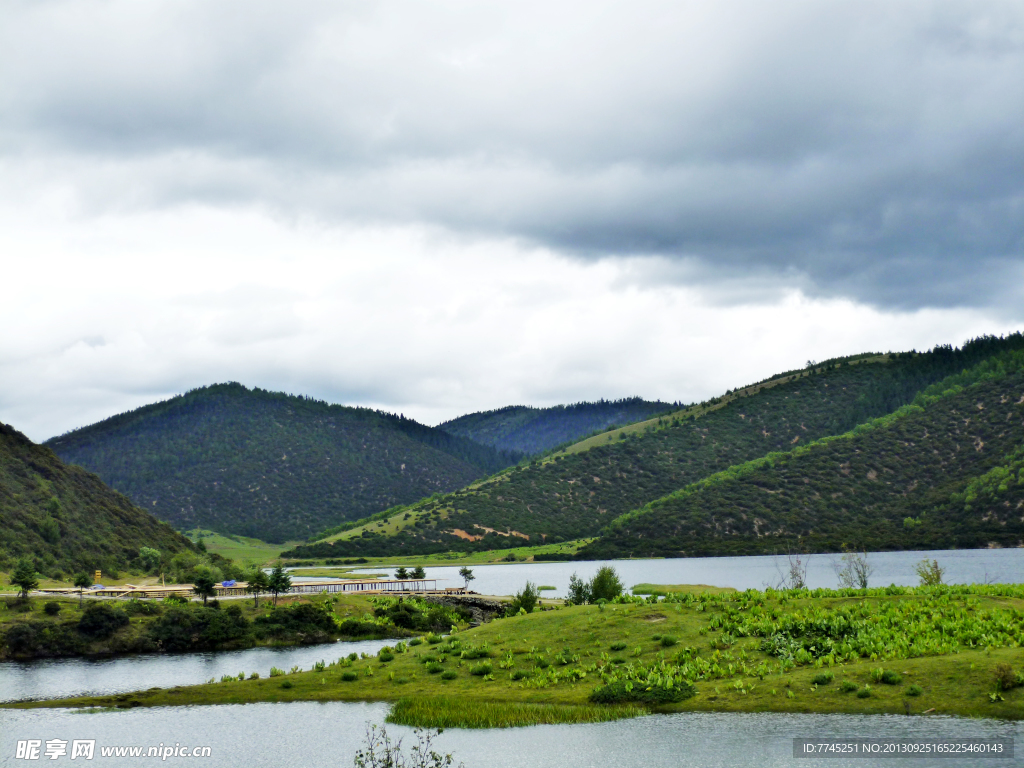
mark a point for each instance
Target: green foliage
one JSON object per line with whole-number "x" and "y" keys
{"x": 1006, "y": 678}
{"x": 99, "y": 621}
{"x": 379, "y": 751}
{"x": 24, "y": 576}
{"x": 525, "y": 600}
{"x": 606, "y": 584}
{"x": 823, "y": 678}
{"x": 52, "y": 608}
{"x": 150, "y": 559}
{"x": 848, "y": 686}
{"x": 915, "y": 690}
{"x": 466, "y": 574}
{"x": 449, "y": 674}
{"x": 535, "y": 430}
{"x": 930, "y": 572}
{"x": 270, "y": 465}
{"x": 418, "y": 615}
{"x": 64, "y": 519}
{"x": 279, "y": 581}
{"x": 444, "y": 712}
{"x": 204, "y": 587}
{"x": 481, "y": 669}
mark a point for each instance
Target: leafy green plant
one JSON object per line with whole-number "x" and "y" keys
{"x": 449, "y": 674}
{"x": 349, "y": 676}
{"x": 823, "y": 678}
{"x": 618, "y": 646}
{"x": 667, "y": 641}
{"x": 434, "y": 668}
{"x": 847, "y": 686}
{"x": 864, "y": 692}
{"x": 915, "y": 690}
{"x": 481, "y": 669}
{"x": 1006, "y": 678}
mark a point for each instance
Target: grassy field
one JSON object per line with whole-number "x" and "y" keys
{"x": 241, "y": 549}
{"x": 912, "y": 652}
{"x": 665, "y": 589}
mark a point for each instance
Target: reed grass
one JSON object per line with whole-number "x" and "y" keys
{"x": 443, "y": 712}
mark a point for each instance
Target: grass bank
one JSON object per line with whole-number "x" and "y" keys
{"x": 897, "y": 651}
{"x": 446, "y": 712}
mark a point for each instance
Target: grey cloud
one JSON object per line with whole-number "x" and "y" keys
{"x": 869, "y": 150}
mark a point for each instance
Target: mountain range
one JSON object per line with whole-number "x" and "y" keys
{"x": 269, "y": 465}
{"x": 583, "y": 489}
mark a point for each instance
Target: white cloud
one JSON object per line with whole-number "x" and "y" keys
{"x": 117, "y": 312}
{"x": 446, "y": 207}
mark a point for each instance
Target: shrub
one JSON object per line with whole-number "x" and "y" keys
{"x": 864, "y": 692}
{"x": 353, "y": 656}
{"x": 100, "y": 621}
{"x": 480, "y": 652}
{"x": 254, "y": 676}
{"x": 52, "y": 608}
{"x": 543, "y": 663}
{"x": 450, "y": 674}
{"x": 416, "y": 641}
{"x": 275, "y": 672}
{"x": 384, "y": 656}
{"x": 619, "y": 691}
{"x": 227, "y": 678}
{"x": 1006, "y": 678}
{"x": 887, "y": 676}
{"x": 930, "y": 572}
{"x": 617, "y": 646}
{"x": 618, "y": 660}
{"x": 434, "y": 639}
{"x": 668, "y": 641}
{"x": 915, "y": 690}
{"x": 848, "y": 686}
{"x": 525, "y": 600}
{"x": 823, "y": 678}
{"x": 434, "y": 668}
{"x": 138, "y": 607}
{"x": 519, "y": 674}
{"x": 349, "y": 677}
{"x": 287, "y": 684}
{"x": 481, "y": 669}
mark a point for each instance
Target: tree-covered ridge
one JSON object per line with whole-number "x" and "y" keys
{"x": 536, "y": 430}
{"x": 270, "y": 465}
{"x": 575, "y": 494}
{"x": 65, "y": 518}
{"x": 899, "y": 482}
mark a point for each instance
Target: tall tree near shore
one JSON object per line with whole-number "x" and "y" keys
{"x": 205, "y": 587}
{"x": 257, "y": 583}
{"x": 82, "y": 581}
{"x": 279, "y": 581}
{"x": 467, "y": 575}
{"x": 24, "y": 576}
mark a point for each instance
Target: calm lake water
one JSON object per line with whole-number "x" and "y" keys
{"x": 962, "y": 566}
{"x": 56, "y": 678}
{"x": 306, "y": 735}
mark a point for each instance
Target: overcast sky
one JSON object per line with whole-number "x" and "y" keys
{"x": 437, "y": 208}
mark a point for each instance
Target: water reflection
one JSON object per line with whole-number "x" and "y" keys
{"x": 57, "y": 678}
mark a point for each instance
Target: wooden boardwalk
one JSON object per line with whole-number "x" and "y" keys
{"x": 239, "y": 589}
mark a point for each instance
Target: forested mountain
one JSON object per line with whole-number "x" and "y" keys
{"x": 577, "y": 493}
{"x": 270, "y": 465}
{"x": 65, "y": 518}
{"x": 535, "y": 430}
{"x": 944, "y": 472}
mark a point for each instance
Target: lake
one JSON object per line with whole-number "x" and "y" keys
{"x": 57, "y": 678}
{"x": 962, "y": 566}
{"x": 304, "y": 735}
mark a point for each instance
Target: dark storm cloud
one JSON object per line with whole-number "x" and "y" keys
{"x": 874, "y": 151}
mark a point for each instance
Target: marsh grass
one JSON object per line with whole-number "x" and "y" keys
{"x": 442, "y": 712}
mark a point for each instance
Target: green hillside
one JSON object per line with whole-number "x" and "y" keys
{"x": 65, "y": 518}
{"x": 269, "y": 465}
{"x": 535, "y": 430}
{"x": 577, "y": 492}
{"x": 944, "y": 472}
